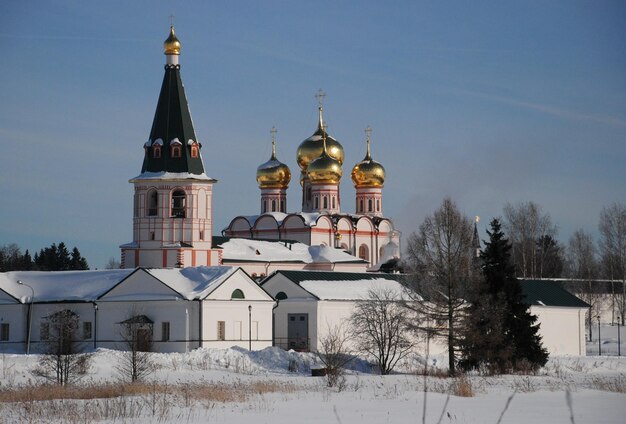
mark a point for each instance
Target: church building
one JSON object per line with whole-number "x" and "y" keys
{"x": 366, "y": 233}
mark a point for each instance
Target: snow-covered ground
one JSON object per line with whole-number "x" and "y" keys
{"x": 588, "y": 389}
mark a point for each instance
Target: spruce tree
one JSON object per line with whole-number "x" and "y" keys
{"x": 501, "y": 332}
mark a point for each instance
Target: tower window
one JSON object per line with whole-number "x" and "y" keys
{"x": 178, "y": 204}
{"x": 176, "y": 151}
{"x": 282, "y": 206}
{"x": 264, "y": 206}
{"x": 325, "y": 202}
{"x": 193, "y": 148}
{"x": 153, "y": 203}
{"x": 334, "y": 202}
{"x": 317, "y": 203}
{"x": 369, "y": 205}
{"x": 377, "y": 205}
{"x": 361, "y": 205}
{"x": 273, "y": 205}
{"x": 156, "y": 152}
{"x": 201, "y": 235}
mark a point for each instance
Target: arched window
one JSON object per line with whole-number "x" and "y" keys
{"x": 364, "y": 252}
{"x": 178, "y": 204}
{"x": 264, "y": 206}
{"x": 237, "y": 294}
{"x": 176, "y": 151}
{"x": 361, "y": 205}
{"x": 194, "y": 150}
{"x": 273, "y": 205}
{"x": 156, "y": 151}
{"x": 282, "y": 206}
{"x": 334, "y": 202}
{"x": 325, "y": 202}
{"x": 369, "y": 205}
{"x": 377, "y": 205}
{"x": 317, "y": 203}
{"x": 153, "y": 203}
{"x": 281, "y": 296}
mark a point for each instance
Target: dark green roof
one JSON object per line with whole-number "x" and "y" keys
{"x": 549, "y": 293}
{"x": 172, "y": 120}
{"x": 299, "y": 276}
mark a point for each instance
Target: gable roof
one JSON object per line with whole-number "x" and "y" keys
{"x": 193, "y": 282}
{"x": 328, "y": 285}
{"x": 549, "y": 293}
{"x": 59, "y": 286}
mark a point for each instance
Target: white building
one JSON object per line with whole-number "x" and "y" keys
{"x": 181, "y": 308}
{"x": 309, "y": 303}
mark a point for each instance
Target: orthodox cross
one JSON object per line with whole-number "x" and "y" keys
{"x": 171, "y": 20}
{"x": 320, "y": 97}
{"x": 273, "y": 131}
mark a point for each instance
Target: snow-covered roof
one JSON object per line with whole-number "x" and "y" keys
{"x": 237, "y": 249}
{"x": 88, "y": 286}
{"x": 353, "y": 289}
{"x": 195, "y": 282}
{"x": 57, "y": 286}
{"x": 171, "y": 176}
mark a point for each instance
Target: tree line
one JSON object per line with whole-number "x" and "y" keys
{"x": 56, "y": 257}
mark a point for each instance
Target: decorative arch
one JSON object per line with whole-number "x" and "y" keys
{"x": 281, "y": 295}
{"x": 237, "y": 294}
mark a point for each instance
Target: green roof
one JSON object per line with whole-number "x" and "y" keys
{"x": 299, "y": 276}
{"x": 549, "y": 293}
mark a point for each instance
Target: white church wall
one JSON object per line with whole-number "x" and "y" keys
{"x": 15, "y": 315}
{"x": 181, "y": 317}
{"x": 562, "y": 329}
{"x": 228, "y": 323}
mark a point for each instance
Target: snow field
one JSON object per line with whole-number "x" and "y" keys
{"x": 237, "y": 386}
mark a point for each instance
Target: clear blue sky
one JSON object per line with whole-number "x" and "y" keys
{"x": 486, "y": 102}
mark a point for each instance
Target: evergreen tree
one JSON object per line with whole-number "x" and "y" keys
{"x": 501, "y": 332}
{"x": 77, "y": 262}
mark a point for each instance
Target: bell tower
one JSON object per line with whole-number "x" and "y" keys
{"x": 172, "y": 201}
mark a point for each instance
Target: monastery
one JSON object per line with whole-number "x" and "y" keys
{"x": 181, "y": 288}
{"x": 173, "y": 202}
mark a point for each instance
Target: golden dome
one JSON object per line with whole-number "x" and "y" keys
{"x": 311, "y": 148}
{"x": 172, "y": 45}
{"x": 368, "y": 172}
{"x": 273, "y": 173}
{"x": 325, "y": 169}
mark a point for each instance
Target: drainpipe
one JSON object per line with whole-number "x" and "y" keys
{"x": 200, "y": 323}
{"x": 274, "y": 323}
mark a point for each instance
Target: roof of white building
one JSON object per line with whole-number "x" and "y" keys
{"x": 246, "y": 250}
{"x": 327, "y": 285}
{"x": 193, "y": 282}
{"x": 57, "y": 286}
{"x": 88, "y": 286}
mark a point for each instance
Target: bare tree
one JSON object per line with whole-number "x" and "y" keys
{"x": 112, "y": 263}
{"x": 137, "y": 342}
{"x": 62, "y": 361}
{"x": 528, "y": 228}
{"x": 583, "y": 267}
{"x": 613, "y": 248}
{"x": 334, "y": 353}
{"x": 379, "y": 327}
{"x": 441, "y": 256}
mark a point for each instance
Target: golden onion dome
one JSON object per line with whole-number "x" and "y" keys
{"x": 273, "y": 173}
{"x": 368, "y": 172}
{"x": 172, "y": 45}
{"x": 325, "y": 169}
{"x": 311, "y": 148}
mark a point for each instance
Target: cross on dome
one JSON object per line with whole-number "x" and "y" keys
{"x": 273, "y": 131}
